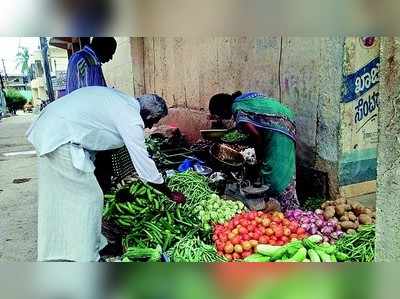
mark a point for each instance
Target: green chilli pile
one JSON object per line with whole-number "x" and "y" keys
{"x": 217, "y": 210}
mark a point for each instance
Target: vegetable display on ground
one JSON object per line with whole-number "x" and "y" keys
{"x": 238, "y": 238}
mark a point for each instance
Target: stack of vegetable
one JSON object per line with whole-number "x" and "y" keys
{"x": 192, "y": 250}
{"x": 309, "y": 250}
{"x": 148, "y": 217}
{"x": 359, "y": 246}
{"x": 217, "y": 210}
{"x": 314, "y": 223}
{"x": 193, "y": 185}
{"x": 349, "y": 214}
{"x": 234, "y": 136}
{"x": 238, "y": 238}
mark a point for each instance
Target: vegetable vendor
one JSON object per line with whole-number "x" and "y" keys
{"x": 85, "y": 69}
{"x": 67, "y": 135}
{"x": 271, "y": 128}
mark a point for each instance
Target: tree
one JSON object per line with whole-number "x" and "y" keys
{"x": 15, "y": 100}
{"x": 23, "y": 60}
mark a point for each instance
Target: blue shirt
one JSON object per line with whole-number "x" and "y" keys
{"x": 84, "y": 69}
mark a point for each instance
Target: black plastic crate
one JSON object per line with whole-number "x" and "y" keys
{"x": 122, "y": 165}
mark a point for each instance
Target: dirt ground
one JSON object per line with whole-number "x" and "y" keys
{"x": 18, "y": 199}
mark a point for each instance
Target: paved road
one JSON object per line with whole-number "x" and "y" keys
{"x": 18, "y": 202}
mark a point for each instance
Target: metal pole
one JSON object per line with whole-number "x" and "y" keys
{"x": 5, "y": 72}
{"x": 44, "y": 48}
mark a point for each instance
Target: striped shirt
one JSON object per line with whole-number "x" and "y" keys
{"x": 84, "y": 69}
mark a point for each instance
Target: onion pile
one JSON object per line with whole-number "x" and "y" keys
{"x": 315, "y": 224}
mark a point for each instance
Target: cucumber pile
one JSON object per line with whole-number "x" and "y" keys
{"x": 309, "y": 250}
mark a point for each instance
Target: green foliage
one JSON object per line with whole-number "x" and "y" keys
{"x": 15, "y": 100}
{"x": 23, "y": 60}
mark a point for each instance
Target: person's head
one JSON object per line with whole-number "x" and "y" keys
{"x": 152, "y": 109}
{"x": 104, "y": 47}
{"x": 220, "y": 105}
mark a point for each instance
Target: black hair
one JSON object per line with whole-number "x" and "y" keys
{"x": 221, "y": 104}
{"x": 99, "y": 42}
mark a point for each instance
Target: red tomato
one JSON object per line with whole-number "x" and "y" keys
{"x": 223, "y": 237}
{"x": 278, "y": 231}
{"x": 285, "y": 222}
{"x": 220, "y": 253}
{"x": 236, "y": 256}
{"x": 214, "y": 237}
{"x": 251, "y": 228}
{"x": 230, "y": 226}
{"x": 246, "y": 253}
{"x": 273, "y": 238}
{"x": 253, "y": 243}
{"x": 236, "y": 222}
{"x": 244, "y": 222}
{"x": 228, "y": 257}
{"x": 256, "y": 236}
{"x": 286, "y": 232}
{"x": 259, "y": 213}
{"x": 236, "y": 240}
{"x": 293, "y": 226}
{"x": 271, "y": 242}
{"x": 251, "y": 235}
{"x": 300, "y": 231}
{"x": 269, "y": 232}
{"x": 266, "y": 222}
{"x": 220, "y": 245}
{"x": 238, "y": 248}
{"x": 276, "y": 219}
{"x": 228, "y": 247}
{"x": 263, "y": 240}
{"x": 246, "y": 237}
{"x": 231, "y": 236}
{"x": 280, "y": 243}
{"x": 293, "y": 236}
{"x": 246, "y": 245}
{"x": 285, "y": 239}
{"x": 273, "y": 224}
{"x": 243, "y": 231}
{"x": 279, "y": 215}
{"x": 258, "y": 219}
{"x": 253, "y": 222}
{"x": 261, "y": 229}
{"x": 235, "y": 231}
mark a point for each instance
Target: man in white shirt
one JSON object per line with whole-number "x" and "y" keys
{"x": 66, "y": 136}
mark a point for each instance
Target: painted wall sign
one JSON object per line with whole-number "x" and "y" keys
{"x": 359, "y": 116}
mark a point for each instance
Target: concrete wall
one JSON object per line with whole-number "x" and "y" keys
{"x": 388, "y": 200}
{"x": 304, "y": 73}
{"x": 119, "y": 71}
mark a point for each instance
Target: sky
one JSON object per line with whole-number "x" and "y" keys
{"x": 9, "y": 49}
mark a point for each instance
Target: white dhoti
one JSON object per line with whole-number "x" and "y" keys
{"x": 70, "y": 207}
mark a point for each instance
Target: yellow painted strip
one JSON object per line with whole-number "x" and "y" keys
{"x": 358, "y": 189}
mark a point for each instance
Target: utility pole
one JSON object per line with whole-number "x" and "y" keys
{"x": 1, "y": 83}
{"x": 44, "y": 48}
{"x": 5, "y": 72}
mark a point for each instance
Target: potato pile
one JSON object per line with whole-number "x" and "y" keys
{"x": 349, "y": 214}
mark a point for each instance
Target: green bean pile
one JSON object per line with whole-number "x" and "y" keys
{"x": 360, "y": 246}
{"x": 192, "y": 250}
{"x": 234, "y": 136}
{"x": 193, "y": 185}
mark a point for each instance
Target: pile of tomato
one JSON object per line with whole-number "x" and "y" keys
{"x": 238, "y": 238}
